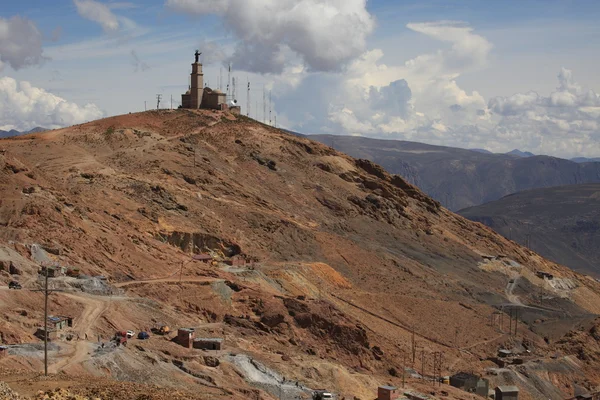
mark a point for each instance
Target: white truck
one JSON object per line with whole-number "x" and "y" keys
{"x": 321, "y": 394}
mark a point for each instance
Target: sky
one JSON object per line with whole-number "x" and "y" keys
{"x": 464, "y": 73}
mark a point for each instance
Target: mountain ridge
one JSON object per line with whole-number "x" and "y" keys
{"x": 461, "y": 178}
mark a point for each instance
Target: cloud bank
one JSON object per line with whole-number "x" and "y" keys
{"x": 23, "y": 107}
{"x": 20, "y": 43}
{"x": 324, "y": 34}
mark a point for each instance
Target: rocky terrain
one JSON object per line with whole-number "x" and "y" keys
{"x": 460, "y": 178}
{"x": 344, "y": 264}
{"x": 560, "y": 223}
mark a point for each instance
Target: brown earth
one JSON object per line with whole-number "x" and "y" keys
{"x": 347, "y": 260}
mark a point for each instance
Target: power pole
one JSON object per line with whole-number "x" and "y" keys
{"x": 46, "y": 293}
{"x": 404, "y": 370}
{"x": 158, "y": 97}
{"x": 423, "y": 364}
{"x": 414, "y": 349}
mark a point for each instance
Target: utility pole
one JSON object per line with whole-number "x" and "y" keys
{"x": 423, "y": 364}
{"x": 158, "y": 97}
{"x": 46, "y": 293}
{"x": 228, "y": 79}
{"x": 414, "y": 349}
{"x": 404, "y": 370}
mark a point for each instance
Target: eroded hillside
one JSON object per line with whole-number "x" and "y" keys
{"x": 344, "y": 261}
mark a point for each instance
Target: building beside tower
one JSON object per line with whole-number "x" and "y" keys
{"x": 199, "y": 96}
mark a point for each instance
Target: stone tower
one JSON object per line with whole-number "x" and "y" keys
{"x": 197, "y": 87}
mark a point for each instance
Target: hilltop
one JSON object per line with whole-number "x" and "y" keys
{"x": 345, "y": 262}
{"x": 561, "y": 223}
{"x": 461, "y": 178}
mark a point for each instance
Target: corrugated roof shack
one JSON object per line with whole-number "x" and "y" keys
{"x": 387, "y": 393}
{"x": 470, "y": 383}
{"x": 59, "y": 323}
{"x": 205, "y": 258}
{"x": 185, "y": 337}
{"x": 52, "y": 334}
{"x": 507, "y": 393}
{"x": 208, "y": 343}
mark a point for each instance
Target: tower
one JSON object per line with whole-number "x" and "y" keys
{"x": 197, "y": 86}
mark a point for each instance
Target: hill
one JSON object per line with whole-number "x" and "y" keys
{"x": 460, "y": 178}
{"x": 13, "y": 132}
{"x": 327, "y": 269}
{"x": 560, "y": 223}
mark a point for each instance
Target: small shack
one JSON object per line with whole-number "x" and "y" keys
{"x": 205, "y": 258}
{"x": 185, "y": 337}
{"x": 59, "y": 323}
{"x": 504, "y": 353}
{"x": 52, "y": 334}
{"x": 470, "y": 383}
{"x": 53, "y": 271}
{"x": 3, "y": 352}
{"x": 387, "y": 393}
{"x": 208, "y": 343}
{"x": 236, "y": 261}
{"x": 544, "y": 275}
{"x": 507, "y": 393}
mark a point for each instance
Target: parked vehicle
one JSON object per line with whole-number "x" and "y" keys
{"x": 320, "y": 394}
{"x": 143, "y": 336}
{"x": 130, "y": 334}
{"x": 14, "y": 285}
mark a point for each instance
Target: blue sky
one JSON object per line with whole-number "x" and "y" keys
{"x": 495, "y": 75}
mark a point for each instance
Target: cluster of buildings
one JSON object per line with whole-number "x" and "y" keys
{"x": 198, "y": 96}
{"x": 467, "y": 382}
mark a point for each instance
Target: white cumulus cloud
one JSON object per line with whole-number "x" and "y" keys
{"x": 325, "y": 34}
{"x": 98, "y": 12}
{"x": 23, "y": 107}
{"x": 20, "y": 43}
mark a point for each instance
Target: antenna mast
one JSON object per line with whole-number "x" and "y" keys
{"x": 228, "y": 79}
{"x": 248, "y": 101}
{"x": 233, "y": 89}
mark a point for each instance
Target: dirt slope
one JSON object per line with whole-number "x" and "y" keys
{"x": 347, "y": 260}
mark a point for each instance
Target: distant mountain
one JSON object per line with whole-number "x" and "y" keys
{"x": 584, "y": 159}
{"x": 13, "y": 132}
{"x": 484, "y": 151}
{"x": 560, "y": 223}
{"x": 519, "y": 153}
{"x": 460, "y": 178}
